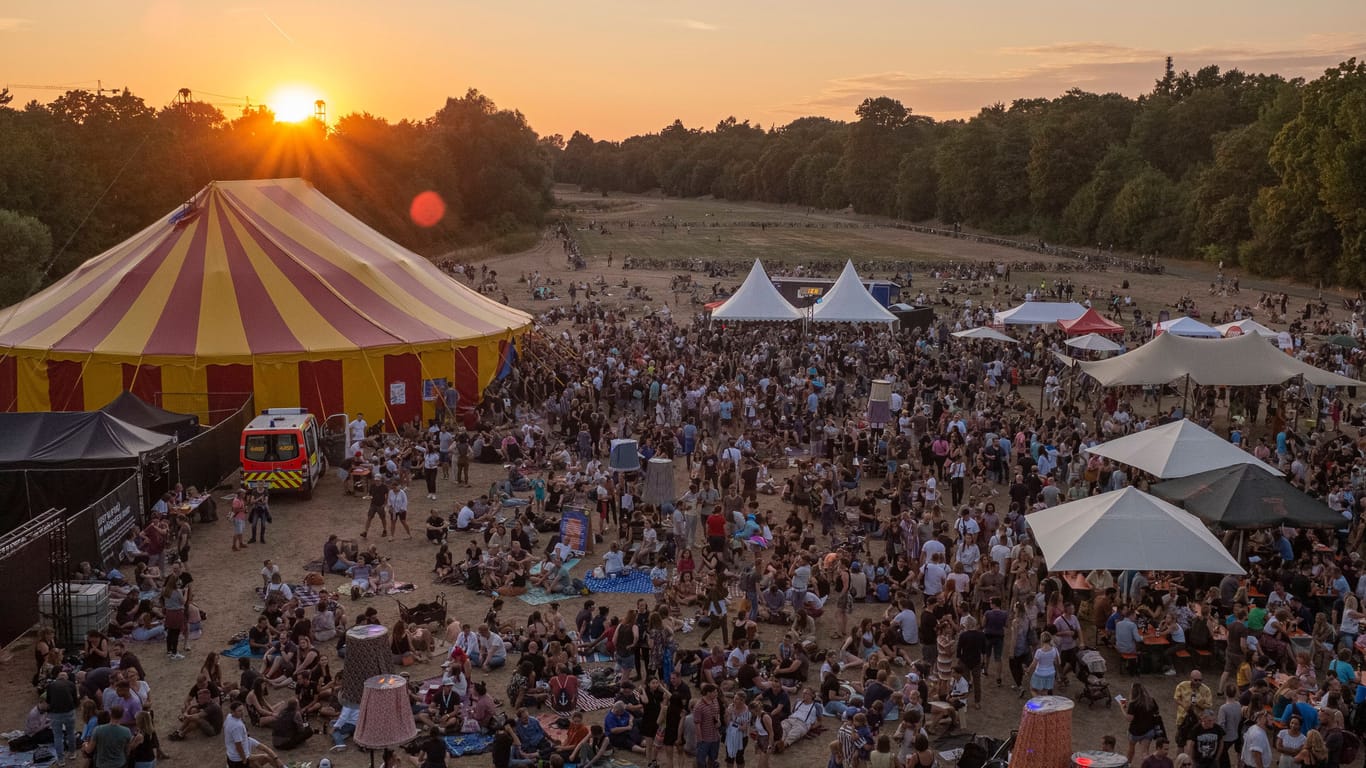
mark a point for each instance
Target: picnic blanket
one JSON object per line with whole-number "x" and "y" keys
{"x": 598, "y": 657}
{"x": 548, "y": 722}
{"x": 590, "y": 703}
{"x": 316, "y": 566}
{"x": 468, "y": 744}
{"x": 16, "y": 759}
{"x": 538, "y": 596}
{"x": 305, "y": 595}
{"x": 635, "y": 582}
{"x": 240, "y": 650}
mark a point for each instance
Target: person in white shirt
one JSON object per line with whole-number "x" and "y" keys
{"x": 908, "y": 623}
{"x": 464, "y": 519}
{"x": 614, "y": 560}
{"x": 397, "y": 502}
{"x": 930, "y": 548}
{"x": 562, "y": 551}
{"x": 357, "y": 428}
{"x": 1256, "y": 746}
{"x": 467, "y": 641}
{"x": 236, "y": 742}
{"x": 933, "y": 576}
{"x": 493, "y": 652}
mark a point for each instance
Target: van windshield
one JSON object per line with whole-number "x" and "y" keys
{"x": 268, "y": 447}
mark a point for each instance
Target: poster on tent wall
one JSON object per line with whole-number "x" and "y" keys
{"x": 432, "y": 388}
{"x": 114, "y": 516}
{"x": 575, "y": 528}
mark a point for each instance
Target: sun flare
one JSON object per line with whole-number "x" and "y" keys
{"x": 293, "y": 104}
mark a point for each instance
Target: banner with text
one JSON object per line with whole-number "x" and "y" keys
{"x": 575, "y": 528}
{"x": 114, "y": 516}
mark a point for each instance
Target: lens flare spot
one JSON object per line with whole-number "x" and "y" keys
{"x": 427, "y": 209}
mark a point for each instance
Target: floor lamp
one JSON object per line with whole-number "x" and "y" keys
{"x": 386, "y": 718}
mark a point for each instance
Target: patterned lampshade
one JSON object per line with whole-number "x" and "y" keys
{"x": 386, "y": 719}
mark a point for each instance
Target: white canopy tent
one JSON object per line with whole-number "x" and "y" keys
{"x": 1245, "y": 327}
{"x": 1186, "y": 326}
{"x": 1093, "y": 342}
{"x": 1040, "y": 313}
{"x": 1177, "y": 449}
{"x": 1127, "y": 530}
{"x": 1247, "y": 360}
{"x": 982, "y": 332}
{"x": 756, "y": 299}
{"x": 848, "y": 301}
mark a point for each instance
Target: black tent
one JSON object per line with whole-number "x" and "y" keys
{"x": 130, "y": 408}
{"x": 911, "y": 317}
{"x": 69, "y": 460}
{"x": 1245, "y": 496}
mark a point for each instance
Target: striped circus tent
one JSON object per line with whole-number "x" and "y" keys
{"x": 263, "y": 287}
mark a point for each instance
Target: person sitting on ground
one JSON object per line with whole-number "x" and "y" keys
{"x": 361, "y": 583}
{"x": 202, "y": 716}
{"x": 334, "y": 559}
{"x": 436, "y": 527}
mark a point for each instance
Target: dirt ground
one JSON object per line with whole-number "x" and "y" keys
{"x": 224, "y": 580}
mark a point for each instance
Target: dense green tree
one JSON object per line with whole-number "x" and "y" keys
{"x": 1313, "y": 220}
{"x": 25, "y": 247}
{"x": 95, "y": 168}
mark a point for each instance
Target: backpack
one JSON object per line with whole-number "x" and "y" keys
{"x": 1351, "y": 745}
{"x": 560, "y": 700}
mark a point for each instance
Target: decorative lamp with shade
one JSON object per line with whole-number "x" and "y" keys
{"x": 386, "y": 718}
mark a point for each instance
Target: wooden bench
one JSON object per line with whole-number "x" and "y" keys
{"x": 1128, "y": 662}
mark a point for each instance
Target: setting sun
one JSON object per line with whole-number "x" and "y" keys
{"x": 292, "y": 104}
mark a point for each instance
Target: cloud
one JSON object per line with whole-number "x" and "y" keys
{"x": 10, "y": 23}
{"x": 1045, "y": 71}
{"x": 693, "y": 24}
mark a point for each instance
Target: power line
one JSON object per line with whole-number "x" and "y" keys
{"x": 100, "y": 90}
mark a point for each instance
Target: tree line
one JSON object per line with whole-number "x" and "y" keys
{"x": 1253, "y": 170}
{"x": 88, "y": 170}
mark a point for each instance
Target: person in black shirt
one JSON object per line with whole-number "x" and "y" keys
{"x": 1205, "y": 741}
{"x": 444, "y": 711}
{"x": 972, "y": 646}
{"x": 259, "y": 636}
{"x": 433, "y": 750}
{"x": 584, "y": 618}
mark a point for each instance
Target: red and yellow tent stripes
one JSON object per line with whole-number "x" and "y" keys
{"x": 265, "y": 287}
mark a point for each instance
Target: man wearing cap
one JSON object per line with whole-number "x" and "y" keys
{"x": 444, "y": 709}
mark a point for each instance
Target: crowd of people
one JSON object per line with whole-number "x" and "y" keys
{"x": 869, "y": 584}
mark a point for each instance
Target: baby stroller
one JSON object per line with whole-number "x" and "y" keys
{"x": 1091, "y": 673}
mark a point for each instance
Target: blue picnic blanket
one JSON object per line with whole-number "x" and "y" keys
{"x": 468, "y": 744}
{"x": 636, "y": 582}
{"x": 538, "y": 596}
{"x": 240, "y": 650}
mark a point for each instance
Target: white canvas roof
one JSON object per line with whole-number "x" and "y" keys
{"x": 1249, "y": 327}
{"x": 756, "y": 299}
{"x": 1127, "y": 530}
{"x": 1094, "y": 342}
{"x": 848, "y": 301}
{"x": 983, "y": 332}
{"x": 1177, "y": 449}
{"x": 1248, "y": 360}
{"x": 1040, "y": 313}
{"x": 1186, "y": 326}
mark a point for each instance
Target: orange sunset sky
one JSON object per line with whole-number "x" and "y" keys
{"x": 613, "y": 69}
